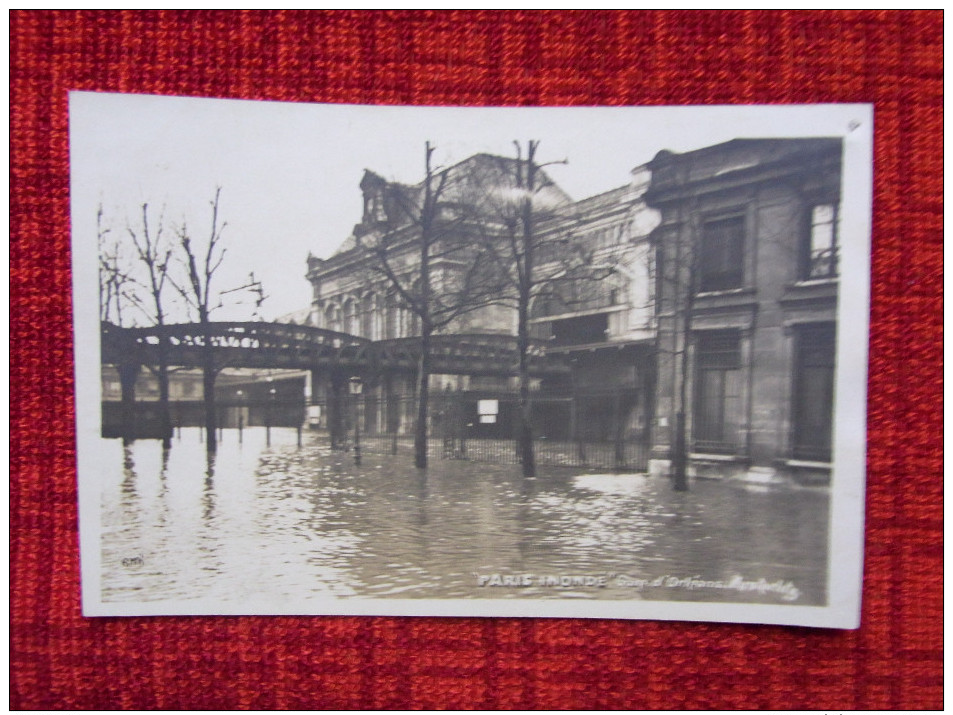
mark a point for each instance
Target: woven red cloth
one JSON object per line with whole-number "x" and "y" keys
{"x": 894, "y": 59}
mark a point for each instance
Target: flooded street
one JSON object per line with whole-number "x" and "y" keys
{"x": 293, "y": 523}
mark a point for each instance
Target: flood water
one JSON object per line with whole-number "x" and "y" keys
{"x": 298, "y": 523}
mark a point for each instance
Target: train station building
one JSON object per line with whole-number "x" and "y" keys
{"x": 599, "y": 322}
{"x": 715, "y": 303}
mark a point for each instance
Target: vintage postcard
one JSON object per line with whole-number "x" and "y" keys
{"x": 584, "y": 362}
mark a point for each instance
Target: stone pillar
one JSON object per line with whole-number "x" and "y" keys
{"x": 769, "y": 377}
{"x": 330, "y": 394}
{"x": 776, "y": 235}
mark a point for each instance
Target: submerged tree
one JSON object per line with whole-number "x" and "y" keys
{"x": 154, "y": 255}
{"x": 134, "y": 276}
{"x": 115, "y": 279}
{"x": 200, "y": 263}
{"x": 447, "y": 277}
{"x": 678, "y": 277}
{"x": 535, "y": 255}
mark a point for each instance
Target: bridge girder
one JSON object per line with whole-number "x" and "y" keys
{"x": 301, "y": 347}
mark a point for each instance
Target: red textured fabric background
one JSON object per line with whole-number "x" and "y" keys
{"x": 61, "y": 660}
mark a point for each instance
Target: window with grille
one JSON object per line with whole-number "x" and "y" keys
{"x": 721, "y": 264}
{"x": 820, "y": 250}
{"x": 718, "y": 406}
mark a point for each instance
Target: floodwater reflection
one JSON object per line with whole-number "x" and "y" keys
{"x": 293, "y": 523}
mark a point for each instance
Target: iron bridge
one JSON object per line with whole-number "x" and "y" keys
{"x": 303, "y": 347}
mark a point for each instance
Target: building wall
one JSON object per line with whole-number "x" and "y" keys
{"x": 736, "y": 347}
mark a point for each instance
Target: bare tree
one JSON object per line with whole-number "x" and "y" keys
{"x": 116, "y": 289}
{"x": 446, "y": 279}
{"x": 200, "y": 264}
{"x": 155, "y": 254}
{"x": 678, "y": 272}
{"x": 536, "y": 255}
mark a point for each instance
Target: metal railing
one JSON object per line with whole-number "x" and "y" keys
{"x": 566, "y": 431}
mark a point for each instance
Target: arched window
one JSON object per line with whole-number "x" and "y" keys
{"x": 350, "y": 317}
{"x": 377, "y": 325}
{"x": 367, "y": 316}
{"x": 391, "y": 328}
{"x": 329, "y": 317}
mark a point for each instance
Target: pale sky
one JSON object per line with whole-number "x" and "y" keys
{"x": 289, "y": 172}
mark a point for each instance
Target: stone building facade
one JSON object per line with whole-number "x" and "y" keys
{"x": 715, "y": 303}
{"x": 603, "y": 327}
{"x": 746, "y": 292}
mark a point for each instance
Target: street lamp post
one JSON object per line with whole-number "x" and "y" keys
{"x": 241, "y": 413}
{"x": 356, "y": 387}
{"x": 271, "y": 409}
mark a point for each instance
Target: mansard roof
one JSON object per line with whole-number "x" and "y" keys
{"x": 475, "y": 182}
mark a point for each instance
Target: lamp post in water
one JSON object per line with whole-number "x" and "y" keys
{"x": 356, "y": 387}
{"x": 270, "y": 414}
{"x": 240, "y": 394}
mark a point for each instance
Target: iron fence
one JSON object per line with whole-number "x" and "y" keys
{"x": 590, "y": 431}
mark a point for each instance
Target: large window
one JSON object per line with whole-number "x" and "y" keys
{"x": 580, "y": 294}
{"x": 813, "y": 403}
{"x": 721, "y": 265}
{"x": 820, "y": 245}
{"x": 718, "y": 406}
{"x": 390, "y": 318}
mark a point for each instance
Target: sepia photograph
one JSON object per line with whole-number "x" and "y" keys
{"x": 597, "y": 362}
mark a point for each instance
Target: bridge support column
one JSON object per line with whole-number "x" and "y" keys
{"x": 337, "y": 409}
{"x": 316, "y": 395}
{"x": 329, "y": 390}
{"x": 128, "y": 375}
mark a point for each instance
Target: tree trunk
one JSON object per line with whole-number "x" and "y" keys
{"x": 680, "y": 442}
{"x": 524, "y": 437}
{"x": 208, "y": 394}
{"x": 165, "y": 420}
{"x": 679, "y": 456}
{"x": 423, "y": 400}
{"x": 211, "y": 426}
